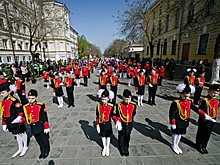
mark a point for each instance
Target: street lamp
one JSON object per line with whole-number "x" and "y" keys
{"x": 161, "y": 51}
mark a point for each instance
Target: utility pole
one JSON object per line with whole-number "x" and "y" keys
{"x": 9, "y": 30}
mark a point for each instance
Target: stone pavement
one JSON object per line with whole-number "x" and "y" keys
{"x": 74, "y": 140}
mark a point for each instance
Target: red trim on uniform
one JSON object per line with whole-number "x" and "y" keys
{"x": 119, "y": 119}
{"x": 20, "y": 114}
{"x": 46, "y": 125}
{"x": 148, "y": 83}
{"x": 136, "y": 88}
{"x": 16, "y": 92}
{"x": 173, "y": 122}
{"x": 115, "y": 118}
{"x": 97, "y": 121}
{"x": 99, "y": 87}
{"x": 3, "y": 122}
{"x": 54, "y": 91}
{"x": 22, "y": 120}
{"x": 23, "y": 92}
{"x": 201, "y": 112}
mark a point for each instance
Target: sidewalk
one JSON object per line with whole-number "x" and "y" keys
{"x": 74, "y": 141}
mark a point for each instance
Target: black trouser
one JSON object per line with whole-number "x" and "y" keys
{"x": 85, "y": 80}
{"x": 43, "y": 141}
{"x": 70, "y": 98}
{"x": 203, "y": 135}
{"x": 114, "y": 89}
{"x": 197, "y": 95}
{"x": 123, "y": 141}
{"x": 152, "y": 93}
{"x": 89, "y": 74}
{"x": 171, "y": 75}
{"x": 160, "y": 80}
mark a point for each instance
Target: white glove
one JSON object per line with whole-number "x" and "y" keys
{"x": 4, "y": 127}
{"x": 23, "y": 94}
{"x": 98, "y": 128}
{"x": 200, "y": 83}
{"x": 54, "y": 94}
{"x": 46, "y": 131}
{"x": 173, "y": 127}
{"x": 118, "y": 126}
{"x": 17, "y": 120}
{"x": 150, "y": 85}
{"x": 207, "y": 117}
{"x": 61, "y": 84}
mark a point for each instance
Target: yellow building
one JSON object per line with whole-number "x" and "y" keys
{"x": 173, "y": 38}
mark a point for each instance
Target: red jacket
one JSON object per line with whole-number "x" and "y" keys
{"x": 161, "y": 72}
{"x": 84, "y": 71}
{"x": 67, "y": 68}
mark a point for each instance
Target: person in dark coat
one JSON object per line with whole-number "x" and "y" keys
{"x": 140, "y": 86}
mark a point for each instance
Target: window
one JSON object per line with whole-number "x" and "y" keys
{"x": 165, "y": 47}
{"x": 190, "y": 12}
{"x": 0, "y": 58}
{"x": 147, "y": 50}
{"x": 2, "y": 23}
{"x": 24, "y": 29}
{"x": 159, "y": 27}
{"x": 160, "y": 11}
{"x": 5, "y": 43}
{"x": 59, "y": 16}
{"x": 62, "y": 48}
{"x": 174, "y": 47}
{"x": 154, "y": 15}
{"x": 26, "y": 45}
{"x": 158, "y": 47}
{"x": 167, "y": 23}
{"x": 209, "y": 7}
{"x": 51, "y": 46}
{"x": 203, "y": 43}
{"x": 168, "y": 4}
{"x": 20, "y": 45}
{"x": 29, "y": 58}
{"x": 17, "y": 58}
{"x": 24, "y": 58}
{"x": 8, "y": 58}
{"x": 13, "y": 43}
{"x": 177, "y": 17}
{"x": 61, "y": 32}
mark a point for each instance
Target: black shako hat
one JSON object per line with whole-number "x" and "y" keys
{"x": 214, "y": 87}
{"x": 4, "y": 86}
{"x": 33, "y": 92}
{"x": 127, "y": 93}
{"x": 105, "y": 93}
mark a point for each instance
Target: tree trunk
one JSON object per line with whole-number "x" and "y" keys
{"x": 216, "y": 62}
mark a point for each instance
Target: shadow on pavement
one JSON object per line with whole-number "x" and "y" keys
{"x": 55, "y": 100}
{"x": 65, "y": 99}
{"x": 165, "y": 97}
{"x": 90, "y": 132}
{"x": 153, "y": 131}
{"x": 94, "y": 98}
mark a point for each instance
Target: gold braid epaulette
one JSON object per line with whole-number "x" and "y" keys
{"x": 208, "y": 106}
{"x": 121, "y": 114}
{"x": 28, "y": 119}
{"x": 182, "y": 116}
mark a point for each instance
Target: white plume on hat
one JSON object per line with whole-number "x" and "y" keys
{"x": 181, "y": 87}
{"x": 111, "y": 93}
{"x": 12, "y": 88}
{"x": 4, "y": 74}
{"x": 54, "y": 73}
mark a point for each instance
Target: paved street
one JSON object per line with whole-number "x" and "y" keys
{"x": 74, "y": 140}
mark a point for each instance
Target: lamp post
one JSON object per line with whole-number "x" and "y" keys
{"x": 161, "y": 51}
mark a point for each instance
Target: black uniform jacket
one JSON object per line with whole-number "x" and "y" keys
{"x": 36, "y": 116}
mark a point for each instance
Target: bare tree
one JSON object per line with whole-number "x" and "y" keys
{"x": 134, "y": 22}
{"x": 33, "y": 18}
{"x": 116, "y": 47}
{"x": 93, "y": 50}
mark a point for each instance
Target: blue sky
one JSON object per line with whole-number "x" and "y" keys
{"x": 94, "y": 19}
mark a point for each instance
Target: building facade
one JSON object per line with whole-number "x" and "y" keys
{"x": 173, "y": 38}
{"x": 59, "y": 43}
